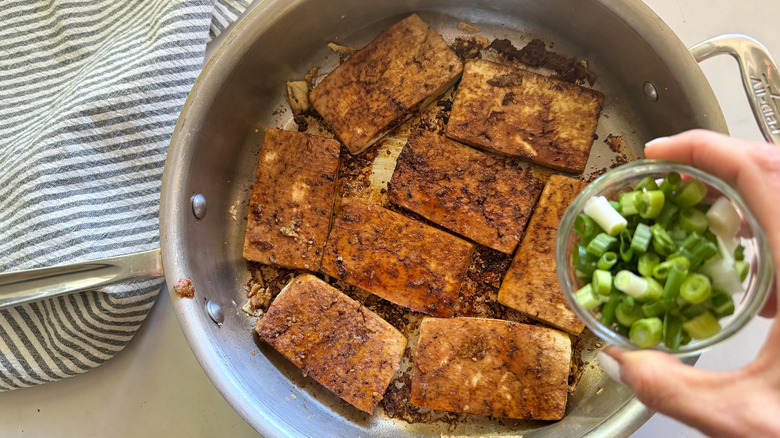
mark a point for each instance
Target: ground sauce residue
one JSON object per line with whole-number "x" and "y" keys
{"x": 184, "y": 288}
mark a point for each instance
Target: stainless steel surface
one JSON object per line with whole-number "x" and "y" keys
{"x": 760, "y": 77}
{"x": 36, "y": 284}
{"x": 237, "y": 97}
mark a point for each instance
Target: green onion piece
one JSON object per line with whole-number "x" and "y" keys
{"x": 630, "y": 283}
{"x": 628, "y": 203}
{"x": 662, "y": 243}
{"x": 668, "y": 214}
{"x": 689, "y": 193}
{"x": 642, "y": 289}
{"x": 690, "y": 311}
{"x": 623, "y": 330}
{"x": 661, "y": 270}
{"x": 670, "y": 183}
{"x": 721, "y": 304}
{"x": 654, "y": 290}
{"x": 605, "y": 215}
{"x": 607, "y": 260}
{"x": 641, "y": 239}
{"x": 651, "y": 203}
{"x": 584, "y": 263}
{"x": 672, "y": 331}
{"x": 608, "y": 309}
{"x": 739, "y": 253}
{"x": 657, "y": 308}
{"x": 602, "y": 282}
{"x": 587, "y": 298}
{"x": 647, "y": 262}
{"x": 702, "y": 326}
{"x": 616, "y": 206}
{"x": 678, "y": 235}
{"x": 600, "y": 244}
{"x": 646, "y": 332}
{"x": 682, "y": 262}
{"x": 742, "y": 268}
{"x": 626, "y": 253}
{"x": 628, "y": 311}
{"x": 699, "y": 249}
{"x": 692, "y": 220}
{"x": 674, "y": 281}
{"x": 586, "y": 227}
{"x": 696, "y": 288}
{"x": 647, "y": 183}
{"x": 686, "y": 338}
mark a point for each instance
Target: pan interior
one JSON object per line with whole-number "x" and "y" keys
{"x": 241, "y": 93}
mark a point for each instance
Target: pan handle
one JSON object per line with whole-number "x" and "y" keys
{"x": 759, "y": 76}
{"x": 20, "y": 287}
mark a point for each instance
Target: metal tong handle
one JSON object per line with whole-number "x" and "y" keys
{"x": 759, "y": 76}
{"x": 20, "y": 287}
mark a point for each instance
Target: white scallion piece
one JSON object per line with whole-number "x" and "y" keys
{"x": 724, "y": 219}
{"x": 601, "y": 211}
{"x": 630, "y": 283}
{"x": 723, "y": 275}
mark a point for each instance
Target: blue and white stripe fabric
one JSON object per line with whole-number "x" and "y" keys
{"x": 90, "y": 91}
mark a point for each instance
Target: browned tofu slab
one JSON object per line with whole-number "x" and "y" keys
{"x": 531, "y": 283}
{"x": 519, "y": 113}
{"x": 332, "y": 338}
{"x": 292, "y": 200}
{"x": 485, "y": 198}
{"x": 491, "y": 367}
{"x": 381, "y": 85}
{"x": 397, "y": 258}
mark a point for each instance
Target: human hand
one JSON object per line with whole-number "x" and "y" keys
{"x": 742, "y": 402}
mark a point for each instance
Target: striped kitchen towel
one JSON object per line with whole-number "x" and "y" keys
{"x": 89, "y": 95}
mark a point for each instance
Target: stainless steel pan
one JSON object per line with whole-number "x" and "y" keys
{"x": 653, "y": 87}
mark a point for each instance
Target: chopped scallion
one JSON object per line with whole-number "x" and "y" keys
{"x": 607, "y": 260}
{"x": 689, "y": 193}
{"x": 647, "y": 262}
{"x": 696, "y": 288}
{"x": 641, "y": 239}
{"x": 646, "y": 332}
{"x": 651, "y": 203}
{"x": 605, "y": 215}
{"x": 702, "y": 326}
{"x": 600, "y": 244}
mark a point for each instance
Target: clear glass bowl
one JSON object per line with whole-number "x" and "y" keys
{"x": 757, "y": 284}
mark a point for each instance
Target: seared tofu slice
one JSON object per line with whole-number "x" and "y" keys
{"x": 522, "y": 114}
{"x": 485, "y": 198}
{"x": 397, "y": 258}
{"x": 335, "y": 340}
{"x": 531, "y": 284}
{"x": 292, "y": 200}
{"x": 491, "y": 367}
{"x": 381, "y": 85}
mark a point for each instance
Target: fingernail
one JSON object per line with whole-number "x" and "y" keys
{"x": 610, "y": 366}
{"x": 656, "y": 141}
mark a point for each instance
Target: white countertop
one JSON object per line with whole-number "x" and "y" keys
{"x": 155, "y": 387}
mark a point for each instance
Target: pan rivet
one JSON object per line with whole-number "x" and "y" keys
{"x": 198, "y": 205}
{"x": 651, "y": 93}
{"x": 215, "y": 312}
